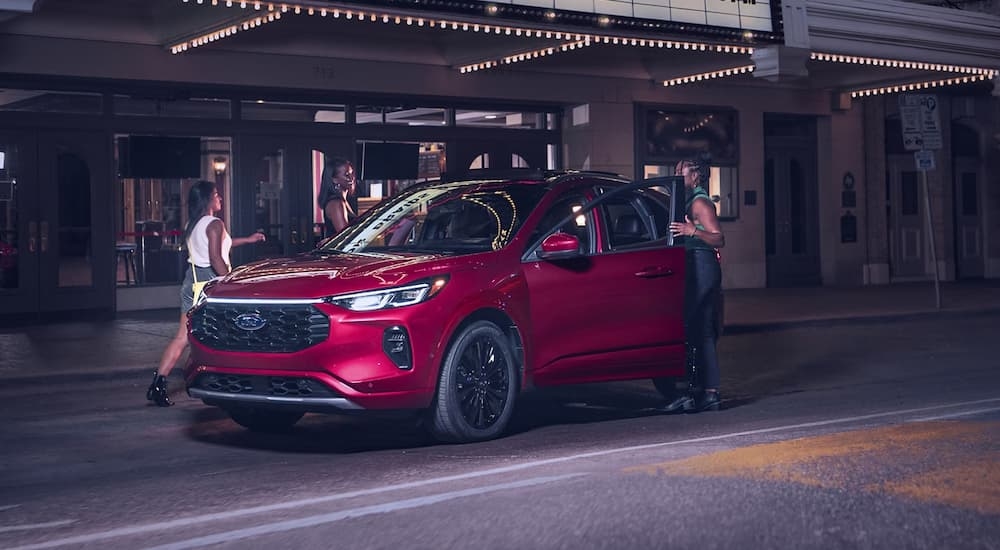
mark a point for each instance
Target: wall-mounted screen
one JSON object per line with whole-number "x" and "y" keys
{"x": 388, "y": 161}
{"x": 159, "y": 157}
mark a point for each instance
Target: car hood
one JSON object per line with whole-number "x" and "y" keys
{"x": 317, "y": 276}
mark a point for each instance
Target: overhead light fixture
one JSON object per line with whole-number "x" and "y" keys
{"x": 219, "y": 165}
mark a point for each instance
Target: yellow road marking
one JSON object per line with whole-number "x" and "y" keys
{"x": 974, "y": 485}
{"x": 955, "y": 463}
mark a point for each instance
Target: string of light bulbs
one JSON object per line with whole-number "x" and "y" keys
{"x": 911, "y": 86}
{"x": 225, "y": 31}
{"x": 896, "y": 63}
{"x": 721, "y": 73}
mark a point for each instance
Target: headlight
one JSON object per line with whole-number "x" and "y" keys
{"x": 374, "y": 300}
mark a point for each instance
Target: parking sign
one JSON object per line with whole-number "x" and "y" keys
{"x": 921, "y": 123}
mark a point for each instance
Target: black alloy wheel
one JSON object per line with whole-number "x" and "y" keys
{"x": 477, "y": 386}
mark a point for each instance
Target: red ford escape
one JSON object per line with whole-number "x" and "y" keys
{"x": 451, "y": 298}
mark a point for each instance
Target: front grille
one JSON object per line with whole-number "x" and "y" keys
{"x": 280, "y": 386}
{"x": 274, "y": 328}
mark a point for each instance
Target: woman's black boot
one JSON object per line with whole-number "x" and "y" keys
{"x": 157, "y": 392}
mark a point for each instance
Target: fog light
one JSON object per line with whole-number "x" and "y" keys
{"x": 396, "y": 344}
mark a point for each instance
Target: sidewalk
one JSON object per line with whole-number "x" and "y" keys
{"x": 759, "y": 308}
{"x": 130, "y": 346}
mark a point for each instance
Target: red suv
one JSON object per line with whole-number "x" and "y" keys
{"x": 451, "y": 298}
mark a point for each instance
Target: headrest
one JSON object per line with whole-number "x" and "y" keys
{"x": 628, "y": 224}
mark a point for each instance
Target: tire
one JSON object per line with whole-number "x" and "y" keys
{"x": 265, "y": 421}
{"x": 477, "y": 386}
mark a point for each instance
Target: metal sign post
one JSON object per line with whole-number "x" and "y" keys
{"x": 930, "y": 237}
{"x": 922, "y": 134}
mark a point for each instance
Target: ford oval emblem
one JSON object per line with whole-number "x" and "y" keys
{"x": 250, "y": 321}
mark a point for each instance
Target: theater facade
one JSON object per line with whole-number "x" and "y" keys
{"x": 851, "y": 142}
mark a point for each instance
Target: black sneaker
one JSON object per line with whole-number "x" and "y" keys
{"x": 710, "y": 401}
{"x": 683, "y": 403}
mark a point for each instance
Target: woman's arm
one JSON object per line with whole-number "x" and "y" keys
{"x": 215, "y": 231}
{"x": 254, "y": 237}
{"x": 704, "y": 215}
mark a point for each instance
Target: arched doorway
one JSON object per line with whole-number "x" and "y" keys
{"x": 967, "y": 185}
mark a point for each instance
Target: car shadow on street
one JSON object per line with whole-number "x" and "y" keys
{"x": 587, "y": 404}
{"x": 315, "y": 433}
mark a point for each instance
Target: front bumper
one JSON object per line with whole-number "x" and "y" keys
{"x": 346, "y": 367}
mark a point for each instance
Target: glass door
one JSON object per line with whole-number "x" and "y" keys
{"x": 19, "y": 246}
{"x": 277, "y": 185}
{"x": 55, "y": 222}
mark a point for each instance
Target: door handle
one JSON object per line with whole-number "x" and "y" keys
{"x": 657, "y": 271}
{"x": 32, "y": 237}
{"x": 45, "y": 236}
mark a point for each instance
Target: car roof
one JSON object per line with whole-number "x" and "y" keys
{"x": 524, "y": 175}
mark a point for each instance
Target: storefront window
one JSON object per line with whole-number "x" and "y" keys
{"x": 722, "y": 186}
{"x": 373, "y": 185}
{"x": 676, "y": 134}
{"x": 293, "y": 112}
{"x": 155, "y": 175}
{"x": 41, "y": 101}
{"x": 504, "y": 119}
{"x": 672, "y": 135}
{"x": 196, "y": 107}
{"x": 395, "y": 114}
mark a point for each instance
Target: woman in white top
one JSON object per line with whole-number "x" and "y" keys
{"x": 208, "y": 244}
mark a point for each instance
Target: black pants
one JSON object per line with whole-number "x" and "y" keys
{"x": 703, "y": 285}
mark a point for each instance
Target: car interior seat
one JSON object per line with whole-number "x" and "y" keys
{"x": 628, "y": 229}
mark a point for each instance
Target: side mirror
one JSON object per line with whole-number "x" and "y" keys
{"x": 559, "y": 246}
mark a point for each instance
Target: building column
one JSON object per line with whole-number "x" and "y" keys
{"x": 875, "y": 266}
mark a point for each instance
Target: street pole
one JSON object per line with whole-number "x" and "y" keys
{"x": 930, "y": 241}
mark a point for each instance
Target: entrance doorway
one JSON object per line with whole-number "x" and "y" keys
{"x": 905, "y": 217}
{"x": 55, "y": 223}
{"x": 967, "y": 179}
{"x": 276, "y": 187}
{"x": 790, "y": 201}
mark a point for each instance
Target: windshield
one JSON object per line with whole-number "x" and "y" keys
{"x": 451, "y": 218}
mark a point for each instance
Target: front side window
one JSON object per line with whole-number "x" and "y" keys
{"x": 581, "y": 225}
{"x": 635, "y": 219}
{"x": 448, "y": 218}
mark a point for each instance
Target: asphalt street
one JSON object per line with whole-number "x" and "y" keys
{"x": 848, "y": 435}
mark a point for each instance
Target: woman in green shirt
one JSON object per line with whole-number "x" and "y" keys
{"x": 703, "y": 283}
